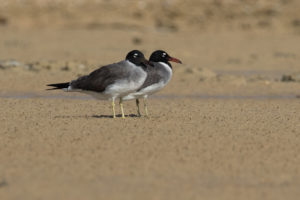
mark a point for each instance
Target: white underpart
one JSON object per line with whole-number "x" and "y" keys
{"x": 151, "y": 89}
{"x": 121, "y": 87}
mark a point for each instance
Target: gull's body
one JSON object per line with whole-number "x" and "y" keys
{"x": 112, "y": 81}
{"x": 158, "y": 76}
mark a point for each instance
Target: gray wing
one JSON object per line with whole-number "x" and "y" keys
{"x": 99, "y": 79}
{"x": 154, "y": 75}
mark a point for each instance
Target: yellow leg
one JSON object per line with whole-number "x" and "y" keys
{"x": 145, "y": 107}
{"x": 122, "y": 110}
{"x": 137, "y": 101}
{"x": 113, "y": 108}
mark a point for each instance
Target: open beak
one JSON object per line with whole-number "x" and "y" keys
{"x": 174, "y": 60}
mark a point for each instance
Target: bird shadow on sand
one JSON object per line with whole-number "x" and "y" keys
{"x": 97, "y": 116}
{"x": 117, "y": 116}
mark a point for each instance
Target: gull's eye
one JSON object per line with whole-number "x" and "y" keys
{"x": 164, "y": 55}
{"x": 135, "y": 55}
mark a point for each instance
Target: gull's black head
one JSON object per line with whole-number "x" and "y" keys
{"x": 162, "y": 56}
{"x": 137, "y": 58}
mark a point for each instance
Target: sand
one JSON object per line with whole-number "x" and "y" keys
{"x": 226, "y": 127}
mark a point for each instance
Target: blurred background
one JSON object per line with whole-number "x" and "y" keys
{"x": 167, "y": 15}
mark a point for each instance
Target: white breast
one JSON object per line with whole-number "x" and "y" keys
{"x": 168, "y": 72}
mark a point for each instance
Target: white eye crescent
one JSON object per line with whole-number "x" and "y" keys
{"x": 164, "y": 55}
{"x": 135, "y": 55}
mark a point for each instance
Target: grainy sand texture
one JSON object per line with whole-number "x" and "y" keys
{"x": 226, "y": 127}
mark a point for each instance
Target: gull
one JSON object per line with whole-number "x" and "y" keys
{"x": 111, "y": 82}
{"x": 159, "y": 73}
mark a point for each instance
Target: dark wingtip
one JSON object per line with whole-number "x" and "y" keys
{"x": 58, "y": 86}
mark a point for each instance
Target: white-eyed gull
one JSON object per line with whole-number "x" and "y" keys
{"x": 111, "y": 81}
{"x": 159, "y": 73}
